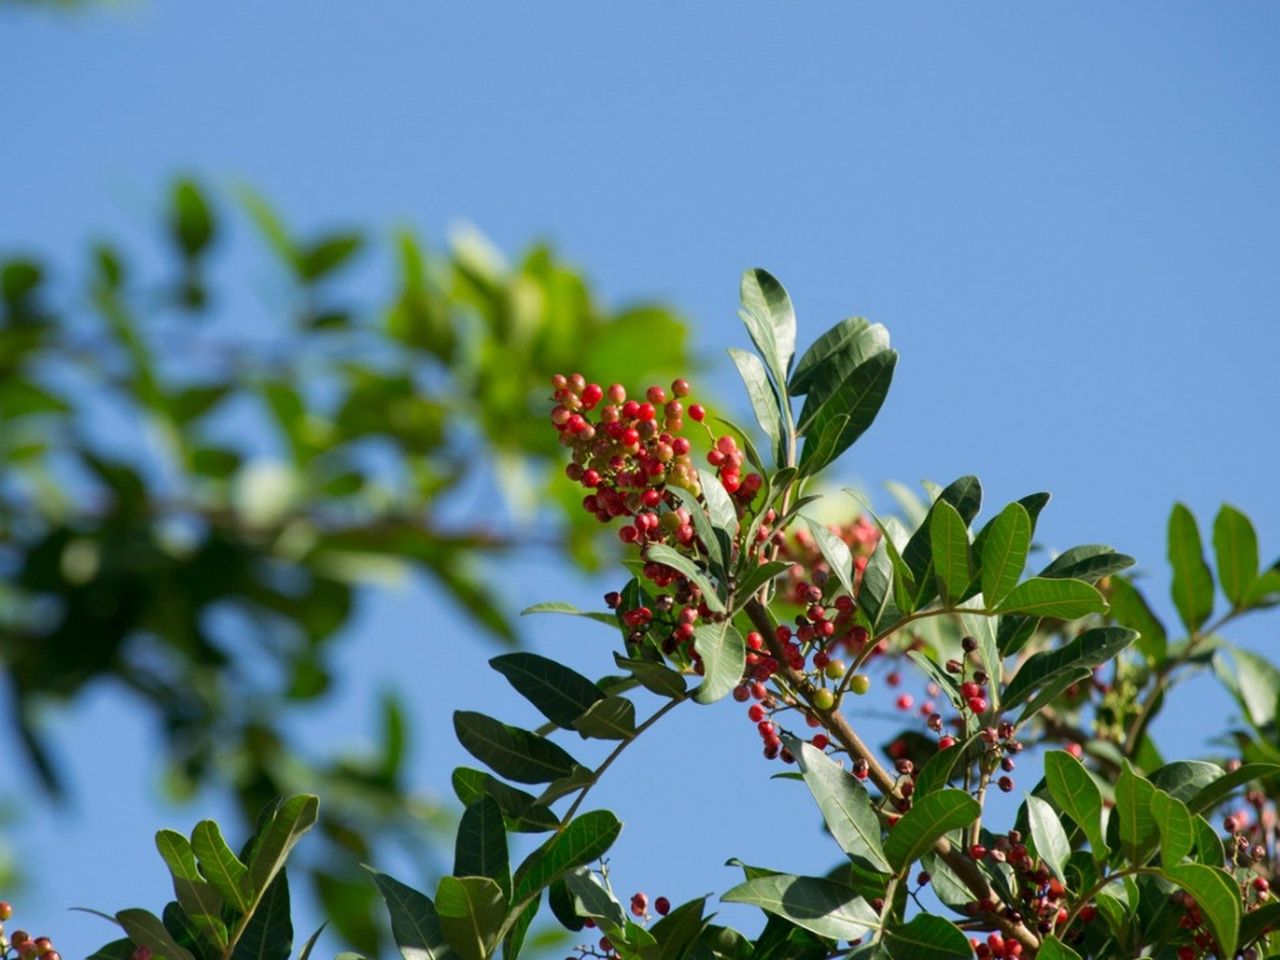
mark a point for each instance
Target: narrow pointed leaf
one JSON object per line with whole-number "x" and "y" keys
{"x": 1088, "y": 650}
{"x": 724, "y": 656}
{"x": 613, "y": 718}
{"x": 1047, "y": 597}
{"x": 480, "y": 847}
{"x": 1090, "y": 563}
{"x": 770, "y": 320}
{"x": 859, "y": 397}
{"x": 825, "y": 907}
{"x": 195, "y": 894}
{"x": 145, "y": 930}
{"x": 661, "y": 553}
{"x": 1214, "y": 793}
{"x": 764, "y": 399}
{"x": 220, "y": 866}
{"x": 470, "y": 912}
{"x": 269, "y": 933}
{"x": 560, "y": 606}
{"x": 586, "y": 839}
{"x": 654, "y": 677}
{"x": 952, "y": 558}
{"x": 1076, "y": 795}
{"x": 1004, "y": 552}
{"x": 1217, "y": 896}
{"x": 292, "y": 818}
{"x": 932, "y": 817}
{"x": 844, "y": 802}
{"x": 560, "y": 694}
{"x": 1192, "y": 582}
{"x": 1235, "y": 545}
{"x": 415, "y": 927}
{"x": 835, "y": 551}
{"x": 511, "y": 752}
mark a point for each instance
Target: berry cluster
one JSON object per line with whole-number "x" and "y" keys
{"x": 603, "y": 949}
{"x": 1041, "y": 897}
{"x": 20, "y": 945}
{"x": 860, "y": 536}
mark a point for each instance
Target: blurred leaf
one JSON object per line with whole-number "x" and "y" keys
{"x": 190, "y": 220}
{"x": 318, "y": 260}
{"x": 1130, "y": 608}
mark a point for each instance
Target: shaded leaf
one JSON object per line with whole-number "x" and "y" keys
{"x": 933, "y": 816}
{"x": 925, "y": 937}
{"x": 1076, "y": 794}
{"x": 514, "y": 753}
{"x": 583, "y": 840}
{"x": 1235, "y": 546}
{"x": 844, "y": 802}
{"x": 1217, "y": 896}
{"x": 470, "y": 911}
{"x": 1088, "y": 650}
{"x": 415, "y": 927}
{"x": 562, "y": 695}
{"x": 1192, "y": 582}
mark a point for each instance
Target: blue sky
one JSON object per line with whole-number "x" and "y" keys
{"x": 1067, "y": 216}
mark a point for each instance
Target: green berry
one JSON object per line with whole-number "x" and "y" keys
{"x": 835, "y": 669}
{"x": 824, "y": 699}
{"x": 860, "y": 684}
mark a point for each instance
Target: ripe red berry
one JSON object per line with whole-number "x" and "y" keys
{"x": 6, "y": 910}
{"x": 821, "y": 741}
{"x": 893, "y": 679}
{"x": 1005, "y": 784}
{"x": 697, "y": 412}
{"x": 639, "y": 904}
{"x": 905, "y": 701}
{"x": 946, "y": 743}
{"x": 977, "y": 851}
{"x": 662, "y": 904}
{"x": 741, "y": 693}
{"x": 755, "y": 713}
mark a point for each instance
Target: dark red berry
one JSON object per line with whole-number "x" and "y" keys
{"x": 662, "y": 905}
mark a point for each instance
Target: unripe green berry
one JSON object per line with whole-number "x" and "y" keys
{"x": 835, "y": 669}
{"x": 860, "y": 683}
{"x": 824, "y": 699}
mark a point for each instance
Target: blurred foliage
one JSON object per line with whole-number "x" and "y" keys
{"x": 197, "y": 482}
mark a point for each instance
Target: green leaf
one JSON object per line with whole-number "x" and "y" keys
{"x": 318, "y": 260}
{"x": 926, "y": 937}
{"x": 292, "y": 818}
{"x": 1088, "y": 650}
{"x": 1265, "y": 589}
{"x": 965, "y": 494}
{"x": 876, "y": 590}
{"x": 723, "y": 514}
{"x": 938, "y": 769}
{"x": 592, "y": 899}
{"x": 1173, "y": 821}
{"x": 115, "y": 950}
{"x": 952, "y": 558}
{"x": 1213, "y": 794}
{"x": 560, "y": 694}
{"x": 654, "y": 677}
{"x": 764, "y": 400}
{"x": 513, "y": 943}
{"x": 1183, "y": 779}
{"x": 1130, "y": 608}
{"x": 220, "y": 866}
{"x": 724, "y": 656}
{"x": 765, "y": 573}
{"x": 1050, "y": 839}
{"x": 1076, "y": 794}
{"x": 1218, "y": 898}
{"x": 931, "y": 817}
{"x": 583, "y": 840}
{"x": 480, "y": 847}
{"x": 1060, "y": 599}
{"x": 717, "y": 556}
{"x": 311, "y": 942}
{"x": 844, "y": 802}
{"x": 1052, "y": 690}
{"x": 858, "y": 397}
{"x": 661, "y": 553}
{"x": 1255, "y": 682}
{"x": 415, "y": 927}
{"x": 770, "y": 320}
{"x": 196, "y": 896}
{"x": 835, "y": 551}
{"x": 1051, "y": 948}
{"x": 190, "y": 220}
{"x": 678, "y": 929}
{"x": 146, "y": 930}
{"x": 1090, "y": 562}
{"x": 1235, "y": 545}
{"x": 559, "y": 606}
{"x": 1192, "y": 581}
{"x": 825, "y": 907}
{"x": 1133, "y": 812}
{"x": 613, "y": 718}
{"x": 1253, "y": 924}
{"x": 511, "y": 752}
{"x": 1004, "y": 552}
{"x": 834, "y": 354}
{"x": 1209, "y": 849}
{"x": 471, "y": 911}
{"x": 269, "y": 933}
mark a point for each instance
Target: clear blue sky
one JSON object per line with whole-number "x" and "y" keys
{"x": 1067, "y": 215}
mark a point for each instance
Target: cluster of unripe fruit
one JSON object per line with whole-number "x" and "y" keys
{"x": 808, "y": 563}
{"x": 20, "y": 945}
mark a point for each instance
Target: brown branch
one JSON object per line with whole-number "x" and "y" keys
{"x": 958, "y": 860}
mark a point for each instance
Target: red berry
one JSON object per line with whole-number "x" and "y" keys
{"x": 755, "y": 713}
{"x": 977, "y": 851}
{"x": 1005, "y": 784}
{"x": 592, "y": 394}
{"x": 697, "y": 412}
{"x": 946, "y": 743}
{"x": 977, "y": 704}
{"x": 905, "y": 701}
{"x": 6, "y": 910}
{"x": 741, "y": 693}
{"x": 639, "y": 904}
{"x": 821, "y": 741}
{"x": 893, "y": 679}
{"x": 662, "y": 904}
